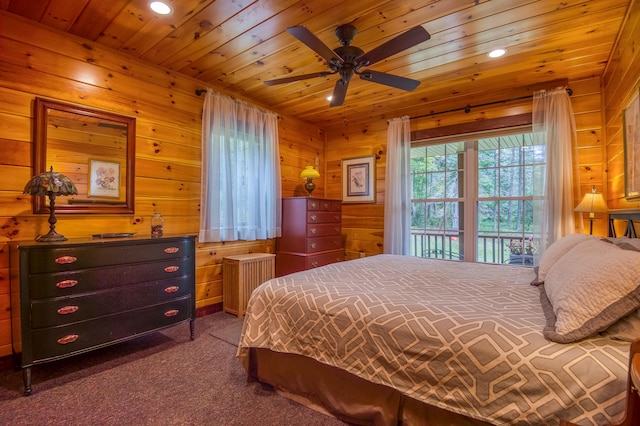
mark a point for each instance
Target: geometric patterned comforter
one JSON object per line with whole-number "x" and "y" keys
{"x": 466, "y": 337}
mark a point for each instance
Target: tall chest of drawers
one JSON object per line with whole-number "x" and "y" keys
{"x": 75, "y": 296}
{"x": 311, "y": 234}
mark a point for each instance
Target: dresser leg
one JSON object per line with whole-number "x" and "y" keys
{"x": 26, "y": 378}
{"x": 192, "y": 329}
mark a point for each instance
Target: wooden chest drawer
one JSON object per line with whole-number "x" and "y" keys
{"x": 83, "y": 256}
{"x": 324, "y": 217}
{"x": 87, "y": 280}
{"x": 314, "y": 245}
{"x": 64, "y": 310}
{"x": 320, "y": 204}
{"x": 288, "y": 263}
{"x": 324, "y": 229}
{"x": 79, "y": 336}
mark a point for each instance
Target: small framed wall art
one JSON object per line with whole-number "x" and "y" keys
{"x": 631, "y": 122}
{"x": 104, "y": 179}
{"x": 359, "y": 180}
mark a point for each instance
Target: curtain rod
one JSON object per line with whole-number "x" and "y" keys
{"x": 200, "y": 91}
{"x": 467, "y": 109}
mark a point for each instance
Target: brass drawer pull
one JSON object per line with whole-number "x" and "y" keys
{"x": 63, "y": 260}
{"x": 314, "y": 264}
{"x": 65, "y": 310}
{"x": 314, "y": 217}
{"x": 312, "y": 230}
{"x": 171, "y": 313}
{"x": 313, "y": 245}
{"x": 66, "y": 283}
{"x": 70, "y": 338}
{"x": 171, "y": 250}
{"x": 171, "y": 268}
{"x": 313, "y": 204}
{"x": 171, "y": 289}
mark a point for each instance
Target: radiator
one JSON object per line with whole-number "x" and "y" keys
{"x": 241, "y": 275}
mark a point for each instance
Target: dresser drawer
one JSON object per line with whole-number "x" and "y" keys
{"x": 314, "y": 245}
{"x": 81, "y": 336}
{"x": 324, "y": 217}
{"x": 322, "y": 259}
{"x": 83, "y": 256}
{"x": 324, "y": 229}
{"x": 65, "y": 310}
{"x": 331, "y": 205}
{"x": 87, "y": 280}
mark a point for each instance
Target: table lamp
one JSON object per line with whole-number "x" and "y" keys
{"x": 309, "y": 173}
{"x": 592, "y": 202}
{"x": 50, "y": 184}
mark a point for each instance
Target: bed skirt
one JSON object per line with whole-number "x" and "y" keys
{"x": 347, "y": 397}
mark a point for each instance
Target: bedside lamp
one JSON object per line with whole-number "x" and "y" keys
{"x": 309, "y": 173}
{"x": 50, "y": 184}
{"x": 592, "y": 203}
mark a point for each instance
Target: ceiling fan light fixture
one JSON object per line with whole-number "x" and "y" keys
{"x": 160, "y": 8}
{"x": 496, "y": 53}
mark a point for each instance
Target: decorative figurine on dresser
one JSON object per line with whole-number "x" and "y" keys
{"x": 311, "y": 234}
{"x": 75, "y": 296}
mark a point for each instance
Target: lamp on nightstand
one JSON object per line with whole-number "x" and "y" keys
{"x": 592, "y": 202}
{"x": 50, "y": 184}
{"x": 309, "y": 173}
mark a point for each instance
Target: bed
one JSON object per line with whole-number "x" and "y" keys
{"x": 401, "y": 340}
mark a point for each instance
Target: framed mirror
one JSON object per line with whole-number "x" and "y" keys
{"x": 95, "y": 149}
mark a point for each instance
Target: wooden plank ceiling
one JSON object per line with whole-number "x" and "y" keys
{"x": 238, "y": 44}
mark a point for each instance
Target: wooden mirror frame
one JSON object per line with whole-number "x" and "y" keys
{"x": 41, "y": 115}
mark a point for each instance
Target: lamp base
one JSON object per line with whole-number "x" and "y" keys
{"x": 52, "y": 236}
{"x": 309, "y": 186}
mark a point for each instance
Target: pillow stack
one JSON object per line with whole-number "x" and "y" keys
{"x": 589, "y": 284}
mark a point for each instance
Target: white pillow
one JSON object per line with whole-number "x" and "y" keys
{"x": 591, "y": 287}
{"x": 555, "y": 251}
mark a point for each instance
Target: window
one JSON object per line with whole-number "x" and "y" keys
{"x": 473, "y": 199}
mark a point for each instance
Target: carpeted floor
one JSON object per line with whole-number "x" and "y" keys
{"x": 160, "y": 379}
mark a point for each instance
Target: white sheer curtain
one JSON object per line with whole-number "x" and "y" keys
{"x": 397, "y": 197}
{"x": 554, "y": 126}
{"x": 241, "y": 195}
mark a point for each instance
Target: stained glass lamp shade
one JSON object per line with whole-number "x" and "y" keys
{"x": 50, "y": 184}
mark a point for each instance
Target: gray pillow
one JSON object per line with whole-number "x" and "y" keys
{"x": 590, "y": 288}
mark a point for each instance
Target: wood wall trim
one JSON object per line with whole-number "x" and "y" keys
{"x": 473, "y": 127}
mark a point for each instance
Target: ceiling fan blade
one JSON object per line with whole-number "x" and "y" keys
{"x": 297, "y": 78}
{"x": 310, "y": 39}
{"x": 339, "y": 93}
{"x": 390, "y": 80}
{"x": 414, "y": 36}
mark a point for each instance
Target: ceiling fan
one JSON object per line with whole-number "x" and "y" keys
{"x": 348, "y": 60}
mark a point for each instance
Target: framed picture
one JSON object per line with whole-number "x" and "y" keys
{"x": 631, "y": 127}
{"x": 104, "y": 178}
{"x": 359, "y": 180}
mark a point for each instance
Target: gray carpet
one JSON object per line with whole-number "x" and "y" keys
{"x": 230, "y": 333}
{"x": 159, "y": 379}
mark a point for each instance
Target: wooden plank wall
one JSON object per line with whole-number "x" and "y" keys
{"x": 621, "y": 80}
{"x": 363, "y": 224}
{"x": 168, "y": 159}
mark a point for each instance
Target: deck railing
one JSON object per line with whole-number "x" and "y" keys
{"x": 448, "y": 245}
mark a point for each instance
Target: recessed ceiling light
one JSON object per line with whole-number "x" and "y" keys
{"x": 329, "y": 98}
{"x": 497, "y": 53}
{"x": 160, "y": 7}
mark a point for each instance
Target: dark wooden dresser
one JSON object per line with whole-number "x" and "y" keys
{"x": 78, "y": 295}
{"x": 311, "y": 234}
